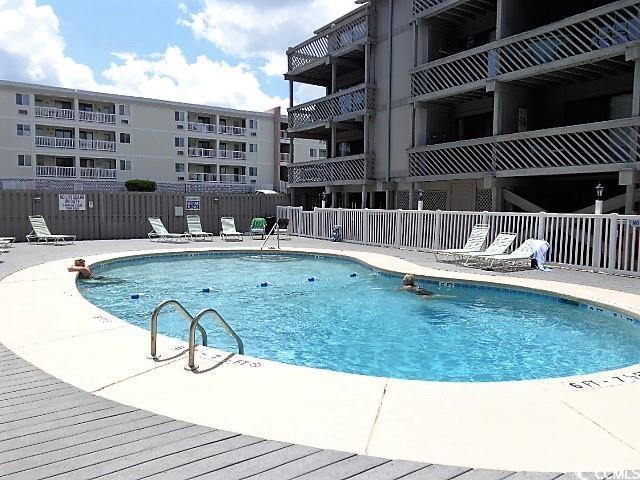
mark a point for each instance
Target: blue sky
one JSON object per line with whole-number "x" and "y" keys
{"x": 221, "y": 52}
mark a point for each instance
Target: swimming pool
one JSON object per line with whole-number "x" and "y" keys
{"x": 364, "y": 323}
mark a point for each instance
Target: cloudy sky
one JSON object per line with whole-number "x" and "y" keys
{"x": 217, "y": 52}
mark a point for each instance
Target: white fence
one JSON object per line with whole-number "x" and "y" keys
{"x": 609, "y": 243}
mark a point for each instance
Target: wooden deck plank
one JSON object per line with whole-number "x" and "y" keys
{"x": 69, "y": 413}
{"x": 43, "y": 382}
{"x": 437, "y": 472}
{"x": 390, "y": 471}
{"x": 217, "y": 462}
{"x": 163, "y": 457}
{"x": 33, "y": 391}
{"x": 46, "y": 468}
{"x": 534, "y": 476}
{"x": 484, "y": 474}
{"x": 303, "y": 465}
{"x": 18, "y": 371}
{"x": 44, "y": 411}
{"x": 261, "y": 464}
{"x": 345, "y": 468}
{"x": 21, "y": 379}
{"x": 50, "y": 395}
{"x": 56, "y": 435}
{"x": 37, "y": 404}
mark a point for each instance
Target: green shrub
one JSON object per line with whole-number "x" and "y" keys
{"x": 140, "y": 185}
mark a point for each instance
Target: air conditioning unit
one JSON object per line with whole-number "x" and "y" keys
{"x": 180, "y": 152}
{"x": 254, "y": 134}
{"x": 181, "y": 178}
{"x": 253, "y": 180}
{"x": 23, "y": 112}
{"x": 180, "y": 126}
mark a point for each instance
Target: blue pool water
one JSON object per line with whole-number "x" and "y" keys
{"x": 366, "y": 324}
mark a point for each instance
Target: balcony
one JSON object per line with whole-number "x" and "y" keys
{"x": 98, "y": 173}
{"x": 346, "y": 33}
{"x": 202, "y": 127}
{"x": 202, "y": 177}
{"x": 54, "y": 113}
{"x": 285, "y": 157}
{"x": 99, "y": 145}
{"x": 452, "y": 9}
{"x": 96, "y": 117}
{"x": 234, "y": 155}
{"x": 591, "y": 37}
{"x": 202, "y": 152}
{"x": 344, "y": 105}
{"x": 59, "y": 172}
{"x": 54, "y": 142}
{"x": 601, "y": 146}
{"x": 232, "y": 178}
{"x": 228, "y": 130}
{"x": 356, "y": 169}
{"x": 284, "y": 136}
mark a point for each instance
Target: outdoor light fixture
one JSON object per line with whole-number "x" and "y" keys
{"x": 420, "y": 200}
{"x": 599, "y": 196}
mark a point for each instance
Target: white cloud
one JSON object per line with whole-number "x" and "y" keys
{"x": 32, "y": 49}
{"x": 257, "y": 29}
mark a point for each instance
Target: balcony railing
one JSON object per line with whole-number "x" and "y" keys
{"x": 232, "y": 178}
{"x": 284, "y": 157}
{"x": 233, "y": 154}
{"x": 351, "y": 31}
{"x": 202, "y": 152}
{"x": 96, "y": 117}
{"x": 228, "y": 130}
{"x": 98, "y": 173}
{"x": 353, "y": 169}
{"x": 61, "y": 172}
{"x": 56, "y": 113}
{"x": 54, "y": 142}
{"x": 573, "y": 40}
{"x": 100, "y": 145}
{"x": 202, "y": 127}
{"x": 590, "y": 145}
{"x": 354, "y": 101}
{"x": 284, "y": 136}
{"x": 202, "y": 177}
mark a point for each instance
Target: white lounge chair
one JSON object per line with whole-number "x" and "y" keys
{"x": 474, "y": 243}
{"x": 229, "y": 231}
{"x": 160, "y": 233}
{"x": 195, "y": 229}
{"x": 41, "y": 233}
{"x": 500, "y": 245}
{"x": 6, "y": 242}
{"x": 523, "y": 254}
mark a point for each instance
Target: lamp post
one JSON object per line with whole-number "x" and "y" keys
{"x": 324, "y": 199}
{"x": 420, "y": 200}
{"x": 599, "y": 201}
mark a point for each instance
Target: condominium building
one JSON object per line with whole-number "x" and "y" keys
{"x": 473, "y": 105}
{"x": 56, "y": 138}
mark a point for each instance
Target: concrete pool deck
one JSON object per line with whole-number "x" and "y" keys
{"x": 545, "y": 425}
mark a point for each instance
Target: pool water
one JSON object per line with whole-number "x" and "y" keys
{"x": 366, "y": 324}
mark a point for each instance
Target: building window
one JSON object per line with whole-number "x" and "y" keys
{"x": 253, "y": 124}
{"x": 125, "y": 138}
{"x": 125, "y": 165}
{"x": 179, "y": 142}
{"x": 253, "y": 147}
{"x": 23, "y": 130}
{"x": 253, "y": 171}
{"x": 313, "y": 153}
{"x": 179, "y": 116}
{"x": 22, "y": 99}
{"x": 24, "y": 160}
{"x": 179, "y": 167}
{"x": 124, "y": 110}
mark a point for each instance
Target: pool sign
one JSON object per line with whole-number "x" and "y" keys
{"x": 72, "y": 201}
{"x": 193, "y": 203}
{"x": 635, "y": 223}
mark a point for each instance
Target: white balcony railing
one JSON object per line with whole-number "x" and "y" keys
{"x": 60, "y": 172}
{"x": 317, "y": 159}
{"x": 238, "y": 155}
{"x": 56, "y": 113}
{"x": 341, "y": 170}
{"x": 228, "y": 130}
{"x": 592, "y": 145}
{"x": 284, "y": 136}
{"x": 202, "y": 177}
{"x": 232, "y": 178}
{"x": 350, "y": 102}
{"x": 285, "y": 157}
{"x": 202, "y": 127}
{"x": 96, "y": 117}
{"x": 98, "y": 173}
{"x": 54, "y": 142}
{"x": 600, "y": 33}
{"x": 99, "y": 145}
{"x": 202, "y": 152}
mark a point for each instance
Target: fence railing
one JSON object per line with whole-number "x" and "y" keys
{"x": 52, "y": 171}
{"x": 601, "y": 143}
{"x": 608, "y": 243}
{"x": 51, "y": 112}
{"x": 100, "y": 173}
{"x": 54, "y": 142}
{"x": 203, "y": 177}
{"x": 202, "y": 152}
{"x": 356, "y": 100}
{"x": 99, "y": 145}
{"x": 96, "y": 117}
{"x": 605, "y": 29}
{"x": 332, "y": 170}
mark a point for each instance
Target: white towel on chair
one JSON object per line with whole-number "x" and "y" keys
{"x": 540, "y": 249}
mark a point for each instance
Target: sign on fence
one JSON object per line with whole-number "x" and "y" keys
{"x": 72, "y": 202}
{"x": 635, "y": 223}
{"x": 193, "y": 203}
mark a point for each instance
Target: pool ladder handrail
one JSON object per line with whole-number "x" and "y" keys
{"x": 277, "y": 230}
{"x": 194, "y": 323}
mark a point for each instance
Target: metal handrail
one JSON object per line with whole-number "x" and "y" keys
{"x": 154, "y": 325}
{"x": 192, "y": 334}
{"x": 275, "y": 227}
